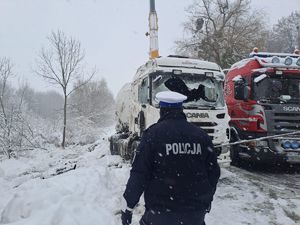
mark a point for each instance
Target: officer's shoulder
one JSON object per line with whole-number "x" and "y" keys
{"x": 150, "y": 128}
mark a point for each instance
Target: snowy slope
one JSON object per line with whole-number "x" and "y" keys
{"x": 31, "y": 193}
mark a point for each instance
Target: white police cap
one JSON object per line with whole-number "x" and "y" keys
{"x": 170, "y": 98}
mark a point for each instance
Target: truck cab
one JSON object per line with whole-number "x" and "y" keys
{"x": 201, "y": 81}
{"x": 262, "y": 93}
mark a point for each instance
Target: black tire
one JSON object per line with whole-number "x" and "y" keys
{"x": 234, "y": 156}
{"x": 234, "y": 149}
{"x": 112, "y": 147}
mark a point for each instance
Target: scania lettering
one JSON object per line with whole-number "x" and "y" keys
{"x": 262, "y": 93}
{"x": 197, "y": 115}
{"x": 291, "y": 109}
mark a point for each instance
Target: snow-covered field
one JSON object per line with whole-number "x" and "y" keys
{"x": 90, "y": 194}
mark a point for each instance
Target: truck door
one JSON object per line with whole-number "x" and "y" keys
{"x": 239, "y": 112}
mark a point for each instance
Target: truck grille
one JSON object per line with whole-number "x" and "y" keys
{"x": 279, "y": 121}
{"x": 286, "y": 122}
{"x": 208, "y": 127}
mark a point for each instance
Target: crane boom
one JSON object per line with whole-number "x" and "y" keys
{"x": 153, "y": 28}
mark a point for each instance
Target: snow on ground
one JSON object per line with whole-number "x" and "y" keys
{"x": 90, "y": 194}
{"x": 256, "y": 198}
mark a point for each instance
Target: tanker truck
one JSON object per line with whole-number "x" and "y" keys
{"x": 201, "y": 81}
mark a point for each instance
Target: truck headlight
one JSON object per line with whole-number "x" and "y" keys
{"x": 298, "y": 62}
{"x": 286, "y": 144}
{"x": 295, "y": 145}
{"x": 275, "y": 60}
{"x": 288, "y": 61}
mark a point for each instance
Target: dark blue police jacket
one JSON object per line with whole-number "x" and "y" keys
{"x": 175, "y": 166}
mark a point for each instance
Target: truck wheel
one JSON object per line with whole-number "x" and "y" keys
{"x": 234, "y": 155}
{"x": 112, "y": 145}
{"x": 234, "y": 149}
{"x": 118, "y": 144}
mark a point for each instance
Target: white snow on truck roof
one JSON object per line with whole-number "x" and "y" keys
{"x": 185, "y": 65}
{"x": 187, "y": 62}
{"x": 271, "y": 54}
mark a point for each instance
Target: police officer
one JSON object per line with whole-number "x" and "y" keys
{"x": 175, "y": 167}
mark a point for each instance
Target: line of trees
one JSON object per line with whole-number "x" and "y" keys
{"x": 225, "y": 31}
{"x": 285, "y": 35}
{"x": 16, "y": 133}
{"x": 30, "y": 119}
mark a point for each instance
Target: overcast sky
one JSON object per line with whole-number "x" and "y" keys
{"x": 112, "y": 32}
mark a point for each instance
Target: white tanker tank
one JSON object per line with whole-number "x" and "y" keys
{"x": 123, "y": 107}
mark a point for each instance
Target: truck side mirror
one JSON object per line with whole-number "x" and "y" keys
{"x": 140, "y": 120}
{"x": 241, "y": 90}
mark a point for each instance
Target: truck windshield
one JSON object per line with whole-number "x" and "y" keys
{"x": 202, "y": 91}
{"x": 278, "y": 89}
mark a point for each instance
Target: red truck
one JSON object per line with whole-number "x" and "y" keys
{"x": 262, "y": 93}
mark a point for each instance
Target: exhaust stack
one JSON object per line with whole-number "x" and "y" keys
{"x": 153, "y": 28}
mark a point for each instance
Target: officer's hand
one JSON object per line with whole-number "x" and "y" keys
{"x": 208, "y": 208}
{"x": 126, "y": 217}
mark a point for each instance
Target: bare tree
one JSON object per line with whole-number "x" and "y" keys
{"x": 285, "y": 36}
{"x": 223, "y": 31}
{"x": 61, "y": 65}
{"x": 15, "y": 131}
{"x": 91, "y": 108}
{"x": 5, "y": 73}
{"x": 93, "y": 101}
